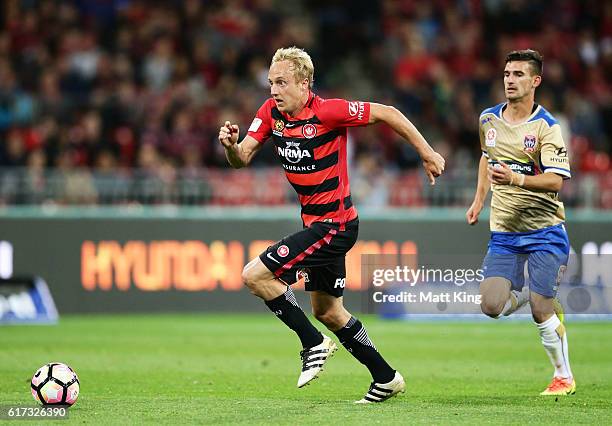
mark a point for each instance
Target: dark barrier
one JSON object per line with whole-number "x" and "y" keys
{"x": 191, "y": 259}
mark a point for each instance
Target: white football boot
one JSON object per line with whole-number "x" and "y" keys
{"x": 380, "y": 392}
{"x": 313, "y": 360}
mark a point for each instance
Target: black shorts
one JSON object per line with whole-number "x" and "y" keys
{"x": 316, "y": 253}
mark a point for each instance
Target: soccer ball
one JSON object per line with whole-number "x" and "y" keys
{"x": 55, "y": 384}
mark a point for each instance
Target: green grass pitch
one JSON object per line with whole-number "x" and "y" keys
{"x": 242, "y": 369}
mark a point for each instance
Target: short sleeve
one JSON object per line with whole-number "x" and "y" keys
{"x": 342, "y": 113}
{"x": 483, "y": 147}
{"x": 260, "y": 128}
{"x": 553, "y": 154}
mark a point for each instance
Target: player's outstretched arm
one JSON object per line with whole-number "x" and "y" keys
{"x": 432, "y": 161}
{"x": 238, "y": 154}
{"x": 482, "y": 188}
{"x": 502, "y": 174}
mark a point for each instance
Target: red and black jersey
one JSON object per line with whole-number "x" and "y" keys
{"x": 312, "y": 150}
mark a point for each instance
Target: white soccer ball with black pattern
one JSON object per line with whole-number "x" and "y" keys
{"x": 55, "y": 384}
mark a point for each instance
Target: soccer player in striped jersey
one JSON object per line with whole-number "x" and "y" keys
{"x": 309, "y": 136}
{"x": 524, "y": 161}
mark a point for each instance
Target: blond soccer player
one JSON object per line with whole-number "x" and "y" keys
{"x": 309, "y": 134}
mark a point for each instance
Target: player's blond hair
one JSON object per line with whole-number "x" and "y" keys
{"x": 302, "y": 64}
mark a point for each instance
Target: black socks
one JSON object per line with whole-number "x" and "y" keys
{"x": 287, "y": 309}
{"x": 355, "y": 339}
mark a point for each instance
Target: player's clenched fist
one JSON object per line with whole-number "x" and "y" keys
{"x": 228, "y": 134}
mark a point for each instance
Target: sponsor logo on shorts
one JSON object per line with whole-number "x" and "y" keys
{"x": 560, "y": 273}
{"x": 269, "y": 256}
{"x": 340, "y": 282}
{"x": 282, "y": 251}
{"x": 309, "y": 131}
{"x": 302, "y": 273}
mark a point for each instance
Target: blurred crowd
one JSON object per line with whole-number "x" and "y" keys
{"x": 109, "y": 86}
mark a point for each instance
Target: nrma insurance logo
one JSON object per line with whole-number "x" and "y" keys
{"x": 6, "y": 260}
{"x": 293, "y": 153}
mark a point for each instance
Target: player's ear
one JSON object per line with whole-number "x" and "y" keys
{"x": 537, "y": 80}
